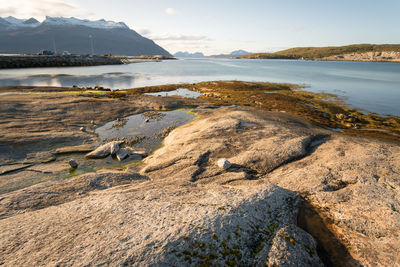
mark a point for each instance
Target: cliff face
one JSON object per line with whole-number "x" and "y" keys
{"x": 389, "y": 56}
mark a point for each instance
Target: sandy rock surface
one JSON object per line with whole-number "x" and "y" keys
{"x": 182, "y": 209}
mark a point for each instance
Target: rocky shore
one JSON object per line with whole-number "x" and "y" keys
{"x": 28, "y": 61}
{"x": 385, "y": 56}
{"x": 287, "y": 193}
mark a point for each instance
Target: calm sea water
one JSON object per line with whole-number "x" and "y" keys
{"x": 372, "y": 86}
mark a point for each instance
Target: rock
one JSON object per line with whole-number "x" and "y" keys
{"x": 74, "y": 149}
{"x": 73, "y": 164}
{"x": 122, "y": 154}
{"x": 114, "y": 149}
{"x": 146, "y": 120}
{"x": 224, "y": 164}
{"x": 220, "y": 218}
{"x": 340, "y": 116}
{"x": 82, "y": 129}
{"x": 104, "y": 150}
{"x": 292, "y": 247}
{"x": 42, "y": 157}
{"x": 92, "y": 122}
{"x": 325, "y": 115}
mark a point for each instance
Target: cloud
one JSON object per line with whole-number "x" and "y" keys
{"x": 179, "y": 37}
{"x": 41, "y": 8}
{"x": 144, "y": 31}
{"x": 171, "y": 11}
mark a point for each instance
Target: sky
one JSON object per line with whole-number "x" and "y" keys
{"x": 221, "y": 26}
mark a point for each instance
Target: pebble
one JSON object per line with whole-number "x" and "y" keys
{"x": 73, "y": 163}
{"x": 224, "y": 163}
{"x": 82, "y": 129}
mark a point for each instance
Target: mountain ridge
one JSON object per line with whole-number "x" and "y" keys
{"x": 75, "y": 36}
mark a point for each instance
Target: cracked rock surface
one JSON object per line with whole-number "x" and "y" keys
{"x": 182, "y": 209}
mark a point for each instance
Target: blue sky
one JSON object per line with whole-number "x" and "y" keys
{"x": 220, "y": 26}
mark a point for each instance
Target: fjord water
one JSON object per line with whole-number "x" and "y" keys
{"x": 372, "y": 86}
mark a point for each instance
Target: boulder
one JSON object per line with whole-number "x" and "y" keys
{"x": 122, "y": 154}
{"x": 104, "y": 150}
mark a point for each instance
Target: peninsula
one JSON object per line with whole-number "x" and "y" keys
{"x": 360, "y": 52}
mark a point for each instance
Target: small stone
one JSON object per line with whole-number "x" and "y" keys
{"x": 92, "y": 122}
{"x": 82, "y": 129}
{"x": 146, "y": 120}
{"x": 325, "y": 115}
{"x": 224, "y": 163}
{"x": 340, "y": 116}
{"x": 73, "y": 163}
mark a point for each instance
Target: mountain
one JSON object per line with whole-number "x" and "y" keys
{"x": 75, "y": 36}
{"x": 187, "y": 54}
{"x": 238, "y": 53}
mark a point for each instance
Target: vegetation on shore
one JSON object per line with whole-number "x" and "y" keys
{"x": 322, "y": 52}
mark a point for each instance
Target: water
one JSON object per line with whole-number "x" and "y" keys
{"x": 372, "y": 86}
{"x": 178, "y": 92}
{"x": 137, "y": 125}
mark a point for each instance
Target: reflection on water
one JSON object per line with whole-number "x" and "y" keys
{"x": 108, "y": 80}
{"x": 373, "y": 86}
{"x": 178, "y": 92}
{"x": 140, "y": 126}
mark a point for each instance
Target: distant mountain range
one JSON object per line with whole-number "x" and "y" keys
{"x": 236, "y": 53}
{"x": 75, "y": 36}
{"x": 187, "y": 54}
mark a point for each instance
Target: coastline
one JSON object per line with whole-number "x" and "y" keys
{"x": 35, "y": 61}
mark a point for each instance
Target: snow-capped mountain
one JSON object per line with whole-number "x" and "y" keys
{"x": 99, "y": 24}
{"x": 11, "y": 22}
{"x": 74, "y": 35}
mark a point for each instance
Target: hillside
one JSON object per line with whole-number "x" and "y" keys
{"x": 74, "y": 35}
{"x": 324, "y": 52}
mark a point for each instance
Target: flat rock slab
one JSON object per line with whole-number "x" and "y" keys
{"x": 74, "y": 149}
{"x": 13, "y": 167}
{"x": 182, "y": 209}
{"x": 161, "y": 227}
{"x": 52, "y": 167}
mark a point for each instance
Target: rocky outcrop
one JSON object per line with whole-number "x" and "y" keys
{"x": 390, "y": 56}
{"x": 184, "y": 210}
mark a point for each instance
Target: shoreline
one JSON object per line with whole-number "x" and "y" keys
{"x": 324, "y": 109}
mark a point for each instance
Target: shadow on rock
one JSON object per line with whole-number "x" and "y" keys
{"x": 330, "y": 250}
